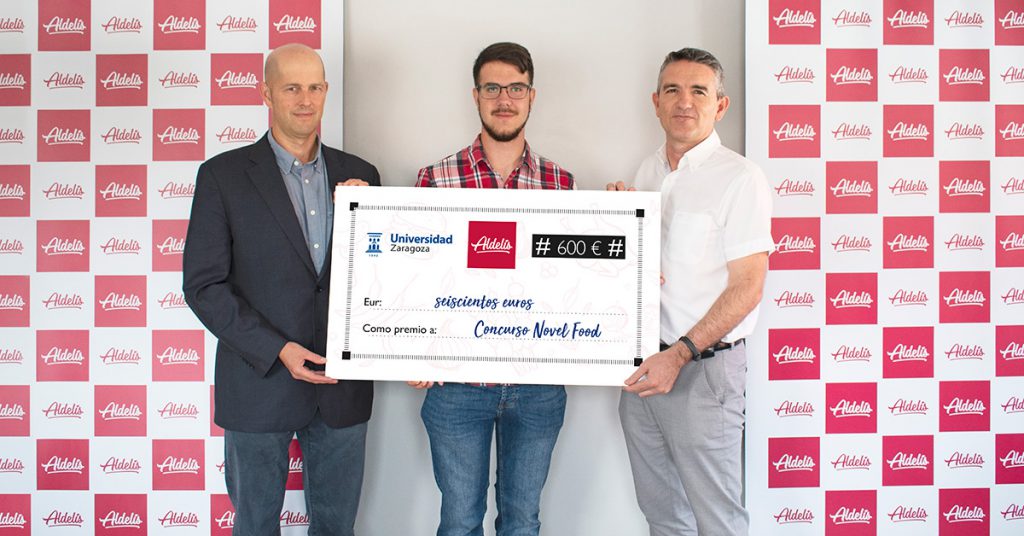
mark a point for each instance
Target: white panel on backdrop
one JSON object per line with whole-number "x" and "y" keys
{"x": 851, "y": 353}
{"x": 62, "y": 190}
{"x": 908, "y": 186}
{"x": 62, "y": 410}
{"x": 120, "y": 465}
{"x": 17, "y": 246}
{"x": 17, "y": 465}
{"x": 964, "y": 131}
{"x": 965, "y": 352}
{"x": 17, "y": 135}
{"x": 120, "y": 25}
{"x": 65, "y": 80}
{"x": 178, "y": 409}
{"x": 907, "y": 75}
{"x": 178, "y": 513}
{"x": 122, "y": 138}
{"x": 799, "y": 187}
{"x": 963, "y": 24}
{"x": 965, "y": 460}
{"x": 59, "y": 512}
{"x": 179, "y": 79}
{"x": 120, "y": 356}
{"x": 17, "y": 359}
{"x": 908, "y": 298}
{"x": 904, "y": 405}
{"x": 237, "y": 25}
{"x": 171, "y": 187}
{"x": 234, "y": 126}
{"x": 908, "y": 511}
{"x": 850, "y": 24}
{"x": 850, "y": 461}
{"x": 62, "y": 299}
{"x": 120, "y": 245}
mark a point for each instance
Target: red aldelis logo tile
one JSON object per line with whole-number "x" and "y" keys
{"x": 908, "y": 352}
{"x": 1009, "y": 458}
{"x": 63, "y": 245}
{"x": 964, "y": 406}
{"x": 909, "y": 130}
{"x": 16, "y": 514}
{"x": 964, "y": 297}
{"x": 1009, "y": 22}
{"x": 178, "y": 355}
{"x": 908, "y": 460}
{"x": 62, "y": 355}
{"x": 793, "y": 462}
{"x": 1010, "y": 350}
{"x": 794, "y": 22}
{"x": 121, "y": 191}
{"x": 15, "y": 79}
{"x": 851, "y": 187}
{"x": 121, "y": 79}
{"x": 851, "y": 408}
{"x": 295, "y": 461}
{"x": 964, "y": 512}
{"x": 62, "y": 464}
{"x": 852, "y": 75}
{"x": 796, "y": 244}
{"x": 1010, "y": 130}
{"x": 851, "y": 513}
{"x": 295, "y": 21}
{"x": 14, "y": 186}
{"x": 793, "y": 131}
{"x": 179, "y": 24}
{"x": 14, "y": 408}
{"x": 908, "y": 22}
{"x": 179, "y": 135}
{"x": 64, "y": 25}
{"x": 851, "y": 298}
{"x": 492, "y": 244}
{"x": 63, "y": 135}
{"x": 120, "y": 514}
{"x": 178, "y": 464}
{"x": 120, "y": 410}
{"x": 168, "y": 244}
{"x": 14, "y": 301}
{"x": 236, "y": 79}
{"x": 120, "y": 301}
{"x": 963, "y": 75}
{"x": 908, "y": 242}
{"x": 794, "y": 354}
{"x": 222, "y": 515}
{"x": 1009, "y": 241}
{"x": 964, "y": 186}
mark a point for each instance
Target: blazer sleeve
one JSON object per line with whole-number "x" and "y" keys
{"x": 206, "y": 268}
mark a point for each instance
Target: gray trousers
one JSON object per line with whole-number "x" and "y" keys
{"x": 685, "y": 449}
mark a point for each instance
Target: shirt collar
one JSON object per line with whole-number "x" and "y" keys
{"x": 700, "y": 152}
{"x": 476, "y": 153}
{"x": 285, "y": 161}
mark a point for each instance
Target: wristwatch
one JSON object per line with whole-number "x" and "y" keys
{"x": 692, "y": 347}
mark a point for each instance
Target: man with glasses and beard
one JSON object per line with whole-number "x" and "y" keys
{"x": 525, "y": 419}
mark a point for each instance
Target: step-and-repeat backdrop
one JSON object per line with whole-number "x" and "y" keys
{"x": 886, "y": 385}
{"x": 106, "y": 110}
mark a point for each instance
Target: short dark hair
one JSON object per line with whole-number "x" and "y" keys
{"x": 696, "y": 55}
{"x": 511, "y": 53}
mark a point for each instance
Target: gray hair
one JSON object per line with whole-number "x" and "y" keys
{"x": 695, "y": 55}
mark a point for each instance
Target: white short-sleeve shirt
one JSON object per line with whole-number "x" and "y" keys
{"x": 715, "y": 207}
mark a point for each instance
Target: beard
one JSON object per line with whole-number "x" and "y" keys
{"x": 504, "y": 136}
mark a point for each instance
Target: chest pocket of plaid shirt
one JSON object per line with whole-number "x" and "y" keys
{"x": 689, "y": 236}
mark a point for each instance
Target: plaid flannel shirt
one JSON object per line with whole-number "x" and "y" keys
{"x": 468, "y": 168}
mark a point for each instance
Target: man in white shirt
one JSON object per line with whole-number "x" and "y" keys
{"x": 683, "y": 410}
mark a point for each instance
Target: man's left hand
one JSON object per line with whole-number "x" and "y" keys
{"x": 354, "y": 182}
{"x": 657, "y": 374}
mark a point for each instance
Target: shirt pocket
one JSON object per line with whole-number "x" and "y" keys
{"x": 689, "y": 237}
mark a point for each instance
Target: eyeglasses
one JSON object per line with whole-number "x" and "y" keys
{"x": 518, "y": 90}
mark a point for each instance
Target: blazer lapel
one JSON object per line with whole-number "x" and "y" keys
{"x": 334, "y": 164}
{"x": 266, "y": 177}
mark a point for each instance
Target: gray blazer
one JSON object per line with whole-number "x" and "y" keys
{"x": 249, "y": 278}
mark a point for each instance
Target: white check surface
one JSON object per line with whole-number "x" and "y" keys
{"x": 493, "y": 285}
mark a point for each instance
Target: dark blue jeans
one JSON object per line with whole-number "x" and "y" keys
{"x": 332, "y": 471}
{"x": 525, "y": 420}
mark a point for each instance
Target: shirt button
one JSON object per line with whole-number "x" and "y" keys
{"x": 316, "y": 246}
{"x": 307, "y": 181}
{"x": 312, "y": 213}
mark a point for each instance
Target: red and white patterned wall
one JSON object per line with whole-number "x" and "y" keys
{"x": 107, "y": 107}
{"x": 886, "y": 385}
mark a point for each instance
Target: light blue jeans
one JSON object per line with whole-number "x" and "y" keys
{"x": 525, "y": 420}
{"x": 256, "y": 468}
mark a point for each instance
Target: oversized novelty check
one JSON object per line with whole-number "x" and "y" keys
{"x": 502, "y": 286}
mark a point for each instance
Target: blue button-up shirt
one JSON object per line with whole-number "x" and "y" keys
{"x": 307, "y": 188}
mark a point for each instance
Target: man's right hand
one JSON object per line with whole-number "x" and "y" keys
{"x": 618, "y": 187}
{"x": 294, "y": 357}
{"x": 422, "y": 385}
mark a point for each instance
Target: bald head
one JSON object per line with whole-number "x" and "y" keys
{"x": 285, "y": 54}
